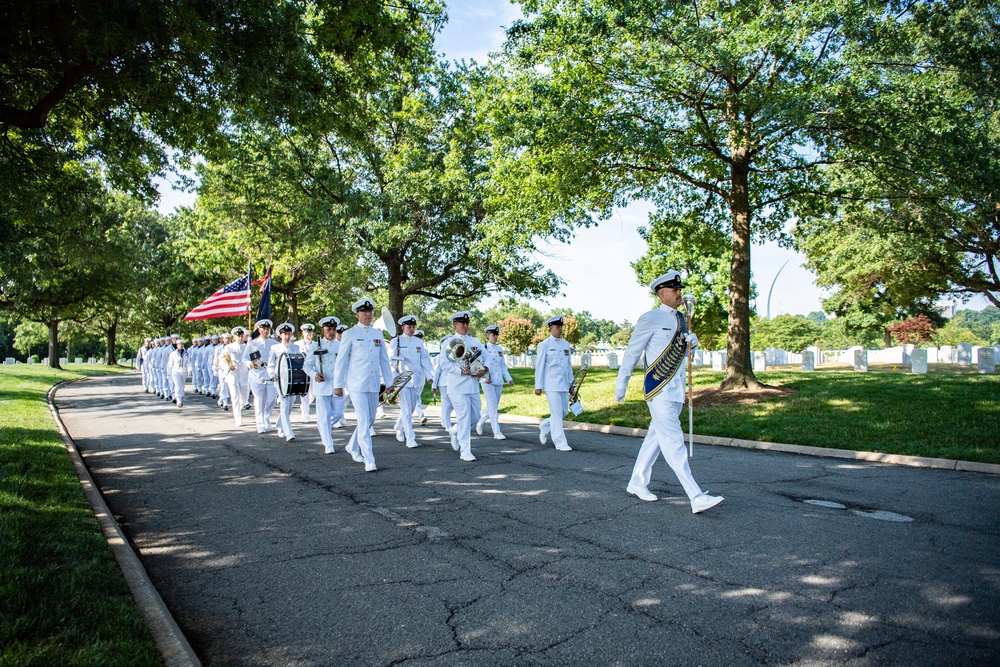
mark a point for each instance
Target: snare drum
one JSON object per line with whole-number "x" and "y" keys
{"x": 292, "y": 380}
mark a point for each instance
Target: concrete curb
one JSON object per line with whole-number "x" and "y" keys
{"x": 871, "y": 457}
{"x": 171, "y": 642}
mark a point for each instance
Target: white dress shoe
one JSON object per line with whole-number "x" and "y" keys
{"x": 454, "y": 440}
{"x": 357, "y": 457}
{"x": 371, "y": 431}
{"x": 479, "y": 428}
{"x": 411, "y": 444}
{"x": 400, "y": 436}
{"x": 328, "y": 450}
{"x": 468, "y": 457}
{"x": 290, "y": 438}
{"x": 640, "y": 492}
{"x": 423, "y": 421}
{"x": 704, "y": 502}
{"x": 499, "y": 436}
{"x": 564, "y": 448}
{"x": 370, "y": 467}
{"x": 543, "y": 437}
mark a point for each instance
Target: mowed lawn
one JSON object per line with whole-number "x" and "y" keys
{"x": 951, "y": 413}
{"x": 63, "y": 599}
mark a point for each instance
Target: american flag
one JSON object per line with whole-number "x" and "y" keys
{"x": 233, "y": 299}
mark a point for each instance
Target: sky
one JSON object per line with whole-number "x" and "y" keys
{"x": 596, "y": 265}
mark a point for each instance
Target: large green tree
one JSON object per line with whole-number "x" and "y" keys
{"x": 918, "y": 207}
{"x": 715, "y": 107}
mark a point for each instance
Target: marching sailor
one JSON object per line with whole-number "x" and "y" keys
{"x": 178, "y": 367}
{"x": 321, "y": 360}
{"x": 407, "y": 353}
{"x": 306, "y": 345}
{"x": 493, "y": 382}
{"x": 285, "y": 346}
{"x": 255, "y": 356}
{"x": 554, "y": 375}
{"x": 662, "y": 334}
{"x": 212, "y": 352}
{"x": 463, "y": 386}
{"x": 235, "y": 374}
{"x": 140, "y": 357}
{"x": 362, "y": 365}
{"x": 215, "y": 369}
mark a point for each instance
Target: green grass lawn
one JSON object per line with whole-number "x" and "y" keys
{"x": 950, "y": 413}
{"x": 63, "y": 600}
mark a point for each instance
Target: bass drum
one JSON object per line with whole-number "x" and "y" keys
{"x": 292, "y": 380}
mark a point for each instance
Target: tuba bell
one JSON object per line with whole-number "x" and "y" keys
{"x": 455, "y": 350}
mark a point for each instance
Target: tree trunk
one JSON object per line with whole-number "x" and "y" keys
{"x": 109, "y": 349}
{"x": 54, "y": 344}
{"x": 739, "y": 365}
{"x": 293, "y": 306}
{"x": 396, "y": 297}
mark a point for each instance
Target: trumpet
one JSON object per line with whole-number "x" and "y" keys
{"x": 226, "y": 358}
{"x": 390, "y": 395}
{"x": 457, "y": 352}
{"x": 578, "y": 378}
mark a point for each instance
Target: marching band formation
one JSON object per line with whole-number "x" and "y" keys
{"x": 358, "y": 364}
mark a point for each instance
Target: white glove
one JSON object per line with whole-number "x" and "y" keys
{"x": 692, "y": 340}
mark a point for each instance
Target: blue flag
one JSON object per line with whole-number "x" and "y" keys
{"x": 264, "y": 308}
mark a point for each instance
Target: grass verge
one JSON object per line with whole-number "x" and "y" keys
{"x": 950, "y": 413}
{"x": 63, "y": 599}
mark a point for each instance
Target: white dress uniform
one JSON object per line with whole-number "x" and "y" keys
{"x": 219, "y": 378}
{"x": 237, "y": 380}
{"x": 140, "y": 361}
{"x": 554, "y": 375}
{"x": 362, "y": 365}
{"x": 464, "y": 392}
{"x": 407, "y": 353}
{"x": 652, "y": 334}
{"x": 178, "y": 368}
{"x": 264, "y": 392}
{"x": 492, "y": 390}
{"x": 329, "y": 408}
{"x": 305, "y": 347}
{"x": 440, "y": 382}
{"x": 284, "y": 402}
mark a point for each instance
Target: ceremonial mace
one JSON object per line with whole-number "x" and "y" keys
{"x": 689, "y": 301}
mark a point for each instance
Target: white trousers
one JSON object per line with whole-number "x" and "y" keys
{"x": 558, "y": 407}
{"x": 667, "y": 437}
{"x": 223, "y": 391}
{"x": 329, "y": 410}
{"x": 492, "y": 414}
{"x": 408, "y": 399}
{"x": 305, "y": 402}
{"x": 285, "y": 415}
{"x": 213, "y": 381}
{"x": 465, "y": 414}
{"x": 365, "y": 403}
{"x": 264, "y": 396}
{"x": 178, "y": 382}
{"x": 238, "y": 394}
{"x": 446, "y": 407}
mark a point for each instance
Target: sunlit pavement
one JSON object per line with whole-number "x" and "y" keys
{"x": 273, "y": 553}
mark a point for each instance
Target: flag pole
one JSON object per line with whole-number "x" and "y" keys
{"x": 250, "y": 275}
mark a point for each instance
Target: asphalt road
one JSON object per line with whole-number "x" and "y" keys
{"x": 270, "y": 553}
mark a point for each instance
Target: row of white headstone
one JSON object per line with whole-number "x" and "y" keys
{"x": 10, "y": 361}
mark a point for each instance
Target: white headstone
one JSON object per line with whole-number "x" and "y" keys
{"x": 918, "y": 361}
{"x": 91, "y": 360}
{"x": 965, "y": 354}
{"x": 985, "y": 362}
{"x": 101, "y": 361}
{"x": 612, "y": 361}
{"x": 861, "y": 360}
{"x": 719, "y": 361}
{"x": 946, "y": 354}
{"x": 78, "y": 360}
{"x": 759, "y": 362}
{"x": 9, "y": 361}
{"x": 817, "y": 355}
{"x": 907, "y": 351}
{"x": 63, "y": 361}
{"x": 31, "y": 360}
{"x": 933, "y": 355}
{"x": 808, "y": 360}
